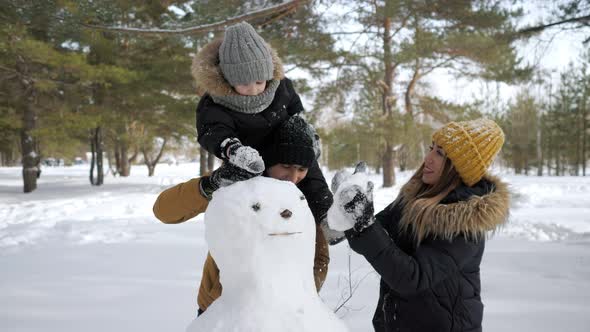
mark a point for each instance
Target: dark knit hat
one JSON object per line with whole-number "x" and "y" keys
{"x": 294, "y": 142}
{"x": 244, "y": 56}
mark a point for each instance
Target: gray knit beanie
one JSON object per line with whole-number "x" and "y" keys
{"x": 244, "y": 56}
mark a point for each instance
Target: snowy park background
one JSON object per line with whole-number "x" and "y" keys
{"x": 81, "y": 258}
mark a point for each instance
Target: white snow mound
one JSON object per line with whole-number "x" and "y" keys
{"x": 261, "y": 234}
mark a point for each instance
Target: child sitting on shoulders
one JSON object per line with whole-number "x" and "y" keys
{"x": 247, "y": 96}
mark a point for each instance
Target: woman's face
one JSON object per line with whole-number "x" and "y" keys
{"x": 288, "y": 172}
{"x": 433, "y": 165}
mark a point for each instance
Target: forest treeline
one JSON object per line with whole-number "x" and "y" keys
{"x": 112, "y": 78}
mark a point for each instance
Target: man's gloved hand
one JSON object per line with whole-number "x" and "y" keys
{"x": 241, "y": 156}
{"x": 353, "y": 201}
{"x": 225, "y": 175}
{"x": 332, "y": 236}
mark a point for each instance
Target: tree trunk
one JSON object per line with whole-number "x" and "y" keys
{"x": 151, "y": 170}
{"x": 539, "y": 147}
{"x": 379, "y": 164}
{"x": 125, "y": 167}
{"x": 577, "y": 135}
{"x": 202, "y": 161}
{"x": 11, "y": 158}
{"x": 92, "y": 156}
{"x": 117, "y": 153}
{"x": 388, "y": 101}
{"x": 403, "y": 157}
{"x": 210, "y": 162}
{"x": 112, "y": 167}
{"x": 388, "y": 170}
{"x": 549, "y": 152}
{"x": 96, "y": 148}
{"x": 585, "y": 105}
{"x": 584, "y": 138}
{"x": 410, "y": 90}
{"x": 133, "y": 157}
{"x": 30, "y": 158}
{"x": 517, "y": 160}
{"x": 151, "y": 164}
{"x": 99, "y": 157}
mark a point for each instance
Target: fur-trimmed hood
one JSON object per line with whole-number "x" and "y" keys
{"x": 208, "y": 76}
{"x": 473, "y": 218}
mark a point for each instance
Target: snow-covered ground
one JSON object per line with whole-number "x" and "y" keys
{"x": 80, "y": 258}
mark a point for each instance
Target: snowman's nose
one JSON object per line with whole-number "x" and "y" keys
{"x": 286, "y": 214}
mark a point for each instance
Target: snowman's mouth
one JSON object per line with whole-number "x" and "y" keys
{"x": 284, "y": 233}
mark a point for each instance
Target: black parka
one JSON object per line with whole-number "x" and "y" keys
{"x": 215, "y": 122}
{"x": 433, "y": 286}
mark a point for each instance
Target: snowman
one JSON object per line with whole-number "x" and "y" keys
{"x": 261, "y": 234}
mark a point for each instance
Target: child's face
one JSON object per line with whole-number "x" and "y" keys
{"x": 251, "y": 89}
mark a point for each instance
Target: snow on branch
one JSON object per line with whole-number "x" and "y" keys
{"x": 280, "y": 9}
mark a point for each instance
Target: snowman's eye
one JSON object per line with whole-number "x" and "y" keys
{"x": 256, "y": 206}
{"x": 302, "y": 197}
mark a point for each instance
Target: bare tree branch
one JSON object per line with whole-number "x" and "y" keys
{"x": 539, "y": 28}
{"x": 351, "y": 287}
{"x": 280, "y": 9}
{"x": 353, "y": 32}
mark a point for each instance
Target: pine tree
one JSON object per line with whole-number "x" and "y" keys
{"x": 467, "y": 38}
{"x": 520, "y": 127}
{"x": 41, "y": 71}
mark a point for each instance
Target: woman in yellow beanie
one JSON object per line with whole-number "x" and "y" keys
{"x": 427, "y": 245}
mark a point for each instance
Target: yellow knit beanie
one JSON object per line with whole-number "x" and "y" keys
{"x": 471, "y": 146}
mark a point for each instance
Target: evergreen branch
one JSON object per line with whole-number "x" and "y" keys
{"x": 10, "y": 70}
{"x": 278, "y": 17}
{"x": 539, "y": 28}
{"x": 353, "y": 32}
{"x": 33, "y": 79}
{"x": 438, "y": 65}
{"x": 8, "y": 77}
{"x": 402, "y": 25}
{"x": 279, "y": 9}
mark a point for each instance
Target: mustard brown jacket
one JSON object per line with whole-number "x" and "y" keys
{"x": 184, "y": 201}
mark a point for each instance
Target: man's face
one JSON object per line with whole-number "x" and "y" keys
{"x": 288, "y": 172}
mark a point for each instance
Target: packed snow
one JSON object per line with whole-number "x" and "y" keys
{"x": 81, "y": 258}
{"x": 247, "y": 158}
{"x": 261, "y": 234}
{"x": 338, "y": 219}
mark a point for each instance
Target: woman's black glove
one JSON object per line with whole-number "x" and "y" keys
{"x": 353, "y": 201}
{"x": 225, "y": 175}
{"x": 360, "y": 207}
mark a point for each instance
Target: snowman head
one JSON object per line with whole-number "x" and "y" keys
{"x": 259, "y": 224}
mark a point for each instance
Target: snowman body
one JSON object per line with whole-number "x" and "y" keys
{"x": 261, "y": 234}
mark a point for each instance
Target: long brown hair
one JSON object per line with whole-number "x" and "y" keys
{"x": 420, "y": 199}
